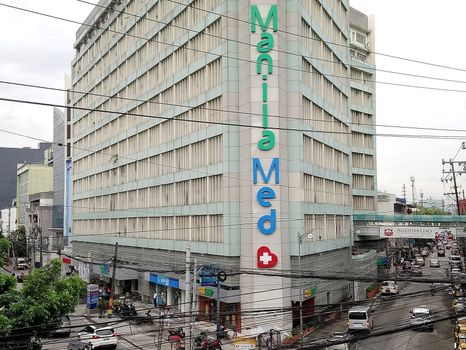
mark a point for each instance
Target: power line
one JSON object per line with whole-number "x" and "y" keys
{"x": 219, "y": 55}
{"x": 221, "y": 110}
{"x": 441, "y": 137}
{"x": 144, "y": 18}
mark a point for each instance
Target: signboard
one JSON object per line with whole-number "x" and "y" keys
{"x": 105, "y": 269}
{"x": 92, "y": 295}
{"x": 205, "y": 292}
{"x": 208, "y": 276}
{"x": 164, "y": 280}
{"x": 310, "y": 292}
{"x": 242, "y": 343}
{"x": 424, "y": 232}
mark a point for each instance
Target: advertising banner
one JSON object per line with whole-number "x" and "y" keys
{"x": 413, "y": 231}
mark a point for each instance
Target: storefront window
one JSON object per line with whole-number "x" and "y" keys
{"x": 176, "y": 297}
{"x": 162, "y": 295}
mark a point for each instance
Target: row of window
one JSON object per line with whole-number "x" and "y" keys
{"x": 140, "y": 32}
{"x": 365, "y": 182}
{"x": 320, "y": 190}
{"x": 361, "y": 98}
{"x": 363, "y": 161}
{"x": 363, "y": 203}
{"x": 322, "y": 155}
{"x": 202, "y": 190}
{"x": 324, "y": 88}
{"x": 192, "y": 156}
{"x": 327, "y": 226}
{"x": 193, "y": 85}
{"x": 362, "y": 77}
{"x": 362, "y": 118}
{"x": 320, "y": 51}
{"x": 325, "y": 20}
{"x": 195, "y": 228}
{"x": 362, "y": 140}
{"x": 322, "y": 121}
{"x": 168, "y": 130}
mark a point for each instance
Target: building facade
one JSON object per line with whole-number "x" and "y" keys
{"x": 31, "y": 179}
{"x": 9, "y": 158}
{"x": 225, "y": 127}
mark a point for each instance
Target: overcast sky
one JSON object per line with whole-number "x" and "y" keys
{"x": 38, "y": 50}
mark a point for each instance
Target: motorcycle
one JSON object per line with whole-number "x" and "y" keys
{"x": 175, "y": 335}
{"x": 203, "y": 342}
{"x": 125, "y": 310}
{"x": 147, "y": 318}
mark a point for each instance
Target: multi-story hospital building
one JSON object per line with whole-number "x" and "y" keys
{"x": 243, "y": 130}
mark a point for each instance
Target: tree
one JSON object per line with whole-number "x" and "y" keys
{"x": 19, "y": 241}
{"x": 431, "y": 211}
{"x": 4, "y": 246}
{"x": 29, "y": 314}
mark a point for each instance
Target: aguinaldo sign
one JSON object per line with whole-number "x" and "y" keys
{"x": 413, "y": 232}
{"x": 265, "y": 174}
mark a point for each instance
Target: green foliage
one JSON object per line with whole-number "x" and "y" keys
{"x": 431, "y": 211}
{"x": 37, "y": 307}
{"x": 4, "y": 245}
{"x": 18, "y": 241}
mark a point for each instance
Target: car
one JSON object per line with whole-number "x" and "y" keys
{"x": 421, "y": 318}
{"x": 441, "y": 252}
{"x": 79, "y": 345}
{"x": 20, "y": 277}
{"x": 434, "y": 263}
{"x": 64, "y": 328}
{"x": 455, "y": 272}
{"x": 424, "y": 253}
{"x": 420, "y": 261}
{"x": 99, "y": 336}
{"x": 21, "y": 264}
{"x": 389, "y": 288}
{"x": 415, "y": 271}
{"x": 339, "y": 337}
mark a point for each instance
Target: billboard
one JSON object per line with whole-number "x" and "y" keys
{"x": 414, "y": 231}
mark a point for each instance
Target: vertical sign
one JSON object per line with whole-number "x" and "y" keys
{"x": 264, "y": 179}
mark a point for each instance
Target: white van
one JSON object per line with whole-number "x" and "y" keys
{"x": 360, "y": 319}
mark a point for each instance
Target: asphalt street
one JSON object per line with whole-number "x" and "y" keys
{"x": 395, "y": 312}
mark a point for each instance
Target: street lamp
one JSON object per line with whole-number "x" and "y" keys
{"x": 309, "y": 235}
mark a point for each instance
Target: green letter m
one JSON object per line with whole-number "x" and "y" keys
{"x": 271, "y": 16}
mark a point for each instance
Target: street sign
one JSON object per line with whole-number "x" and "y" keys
{"x": 92, "y": 295}
{"x": 243, "y": 343}
{"x": 208, "y": 276}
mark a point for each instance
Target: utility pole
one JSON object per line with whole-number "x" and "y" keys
{"x": 187, "y": 303}
{"x": 112, "y": 286}
{"x": 41, "y": 247}
{"x": 403, "y": 191}
{"x": 193, "y": 301}
{"x": 453, "y": 172}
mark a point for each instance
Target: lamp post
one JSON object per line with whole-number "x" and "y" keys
{"x": 300, "y": 240}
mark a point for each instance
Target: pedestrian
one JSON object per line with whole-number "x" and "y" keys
{"x": 155, "y": 299}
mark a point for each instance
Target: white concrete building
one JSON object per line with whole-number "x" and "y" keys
{"x": 225, "y": 126}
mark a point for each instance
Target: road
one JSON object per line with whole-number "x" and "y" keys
{"x": 396, "y": 312}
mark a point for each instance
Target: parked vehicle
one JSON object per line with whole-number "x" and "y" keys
{"x": 125, "y": 310}
{"x": 203, "y": 342}
{"x": 421, "y": 318}
{"x": 147, "y": 318}
{"x": 389, "y": 288}
{"x": 79, "y": 345}
{"x": 420, "y": 261}
{"x": 434, "y": 263}
{"x": 360, "y": 319}
{"x": 21, "y": 264}
{"x": 99, "y": 337}
{"x": 441, "y": 253}
{"x": 20, "y": 277}
{"x": 339, "y": 337}
{"x": 64, "y": 328}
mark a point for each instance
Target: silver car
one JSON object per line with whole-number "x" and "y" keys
{"x": 434, "y": 263}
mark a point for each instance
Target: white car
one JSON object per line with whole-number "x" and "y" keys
{"x": 21, "y": 264}
{"x": 99, "y": 337}
{"x": 389, "y": 288}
